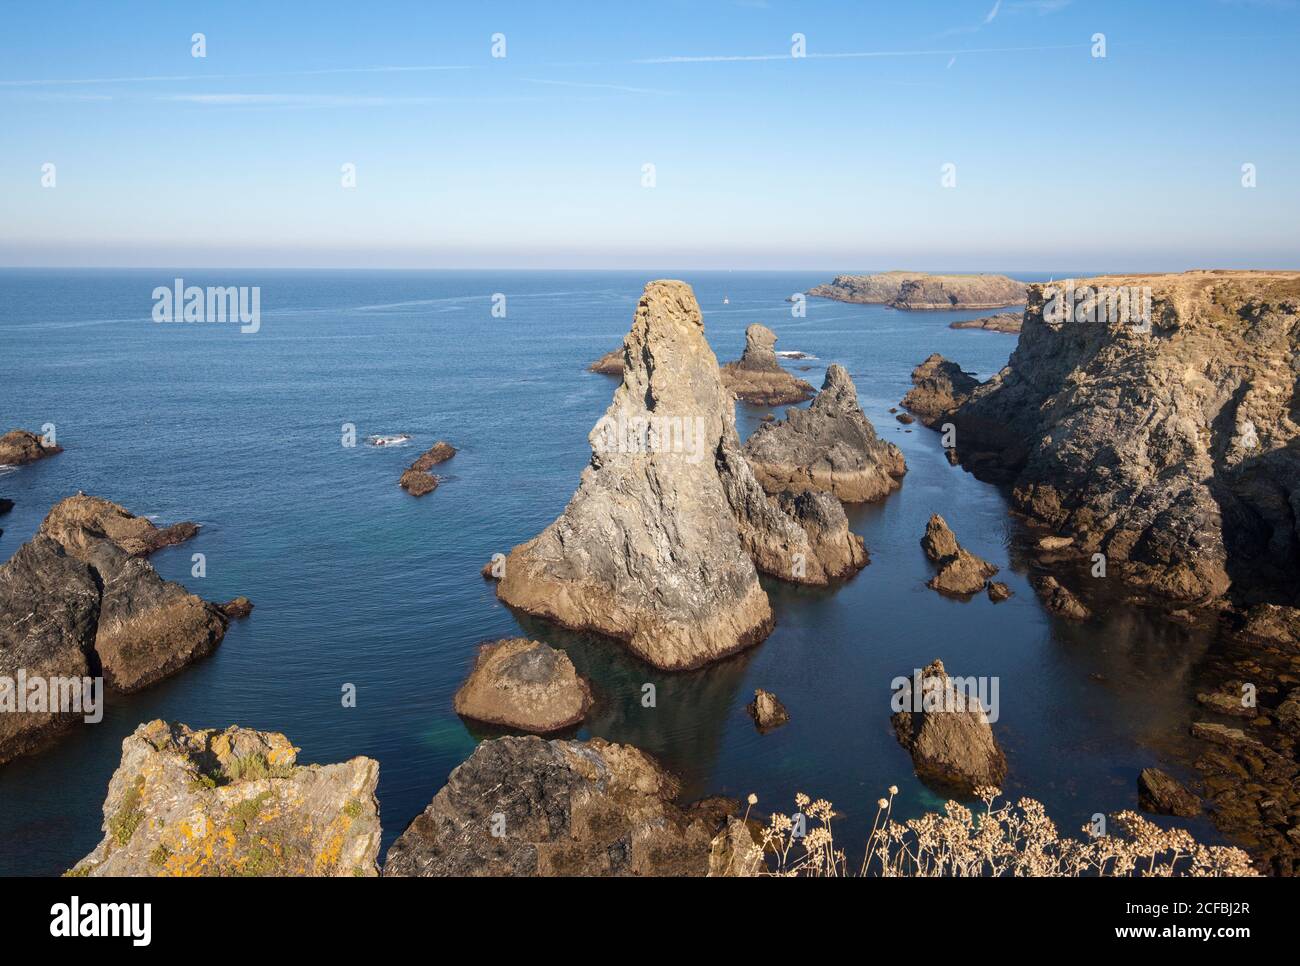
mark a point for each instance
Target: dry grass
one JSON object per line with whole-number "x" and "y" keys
{"x": 996, "y": 840}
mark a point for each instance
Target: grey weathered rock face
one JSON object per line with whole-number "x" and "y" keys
{"x": 829, "y": 446}
{"x": 1005, "y": 322}
{"x": 80, "y": 518}
{"x": 1059, "y": 600}
{"x": 1173, "y": 449}
{"x": 767, "y": 711}
{"x": 561, "y": 808}
{"x": 526, "y": 685}
{"x": 1161, "y": 794}
{"x": 961, "y": 573}
{"x": 938, "y": 387}
{"x": 233, "y": 802}
{"x": 737, "y": 851}
{"x": 947, "y": 732}
{"x": 658, "y": 547}
{"x": 18, "y": 447}
{"x": 758, "y": 376}
{"x": 920, "y": 290}
{"x": 49, "y": 607}
{"x": 75, "y": 604}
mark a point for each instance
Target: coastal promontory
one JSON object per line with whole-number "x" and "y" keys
{"x": 923, "y": 291}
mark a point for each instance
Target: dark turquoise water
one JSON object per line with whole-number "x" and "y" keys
{"x": 356, "y": 582}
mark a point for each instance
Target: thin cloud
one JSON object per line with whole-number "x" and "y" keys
{"x": 729, "y": 58}
{"x": 593, "y": 86}
{"x": 992, "y": 14}
{"x": 158, "y": 78}
{"x": 1040, "y": 7}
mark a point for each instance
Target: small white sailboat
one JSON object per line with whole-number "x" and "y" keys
{"x": 725, "y": 300}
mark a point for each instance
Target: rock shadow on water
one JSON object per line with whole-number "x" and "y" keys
{"x": 683, "y": 729}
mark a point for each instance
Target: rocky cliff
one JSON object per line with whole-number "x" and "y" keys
{"x": 233, "y": 802}
{"x": 920, "y": 290}
{"x": 1166, "y": 439}
{"x": 757, "y": 377}
{"x": 1007, "y": 322}
{"x": 659, "y": 545}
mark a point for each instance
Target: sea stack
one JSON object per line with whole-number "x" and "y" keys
{"x": 829, "y": 446}
{"x": 947, "y": 732}
{"x": 79, "y": 600}
{"x": 661, "y": 545}
{"x": 757, "y": 377}
{"x": 525, "y": 685}
{"x": 961, "y": 573}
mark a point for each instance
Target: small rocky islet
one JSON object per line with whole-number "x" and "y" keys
{"x": 80, "y": 600}
{"x": 921, "y": 291}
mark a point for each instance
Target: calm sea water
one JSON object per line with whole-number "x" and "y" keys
{"x": 356, "y": 582}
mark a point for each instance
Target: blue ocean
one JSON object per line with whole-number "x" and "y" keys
{"x": 357, "y": 583}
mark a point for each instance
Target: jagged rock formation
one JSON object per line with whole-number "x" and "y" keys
{"x": 610, "y": 364}
{"x": 767, "y": 711}
{"x": 559, "y": 808}
{"x": 18, "y": 447}
{"x": 1059, "y": 600}
{"x": 658, "y": 546}
{"x": 439, "y": 452}
{"x": 947, "y": 733}
{"x": 75, "y": 604}
{"x": 920, "y": 290}
{"x": 737, "y": 851}
{"x": 1162, "y": 794}
{"x": 236, "y": 609}
{"x": 1172, "y": 447}
{"x": 526, "y": 685}
{"x": 938, "y": 387}
{"x": 1007, "y": 322}
{"x": 233, "y": 802}
{"x": 998, "y": 591}
{"x": 758, "y": 377}
{"x": 72, "y": 520}
{"x": 961, "y": 573}
{"x": 829, "y": 446}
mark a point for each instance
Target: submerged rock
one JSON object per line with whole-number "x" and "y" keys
{"x": 417, "y": 480}
{"x": 237, "y": 609}
{"x": 526, "y": 685}
{"x": 938, "y": 388}
{"x": 961, "y": 573}
{"x": 75, "y": 604}
{"x": 233, "y": 802}
{"x": 439, "y": 452}
{"x": 921, "y": 290}
{"x": 1160, "y": 432}
{"x": 659, "y": 545}
{"x": 829, "y": 446}
{"x": 82, "y": 517}
{"x": 767, "y": 711}
{"x": 5, "y": 506}
{"x": 1161, "y": 794}
{"x": 18, "y": 447}
{"x": 610, "y": 364}
{"x": 558, "y": 808}
{"x": 758, "y": 376}
{"x": 947, "y": 732}
{"x": 1058, "y": 600}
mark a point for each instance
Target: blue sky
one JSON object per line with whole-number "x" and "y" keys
{"x": 1131, "y": 162}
